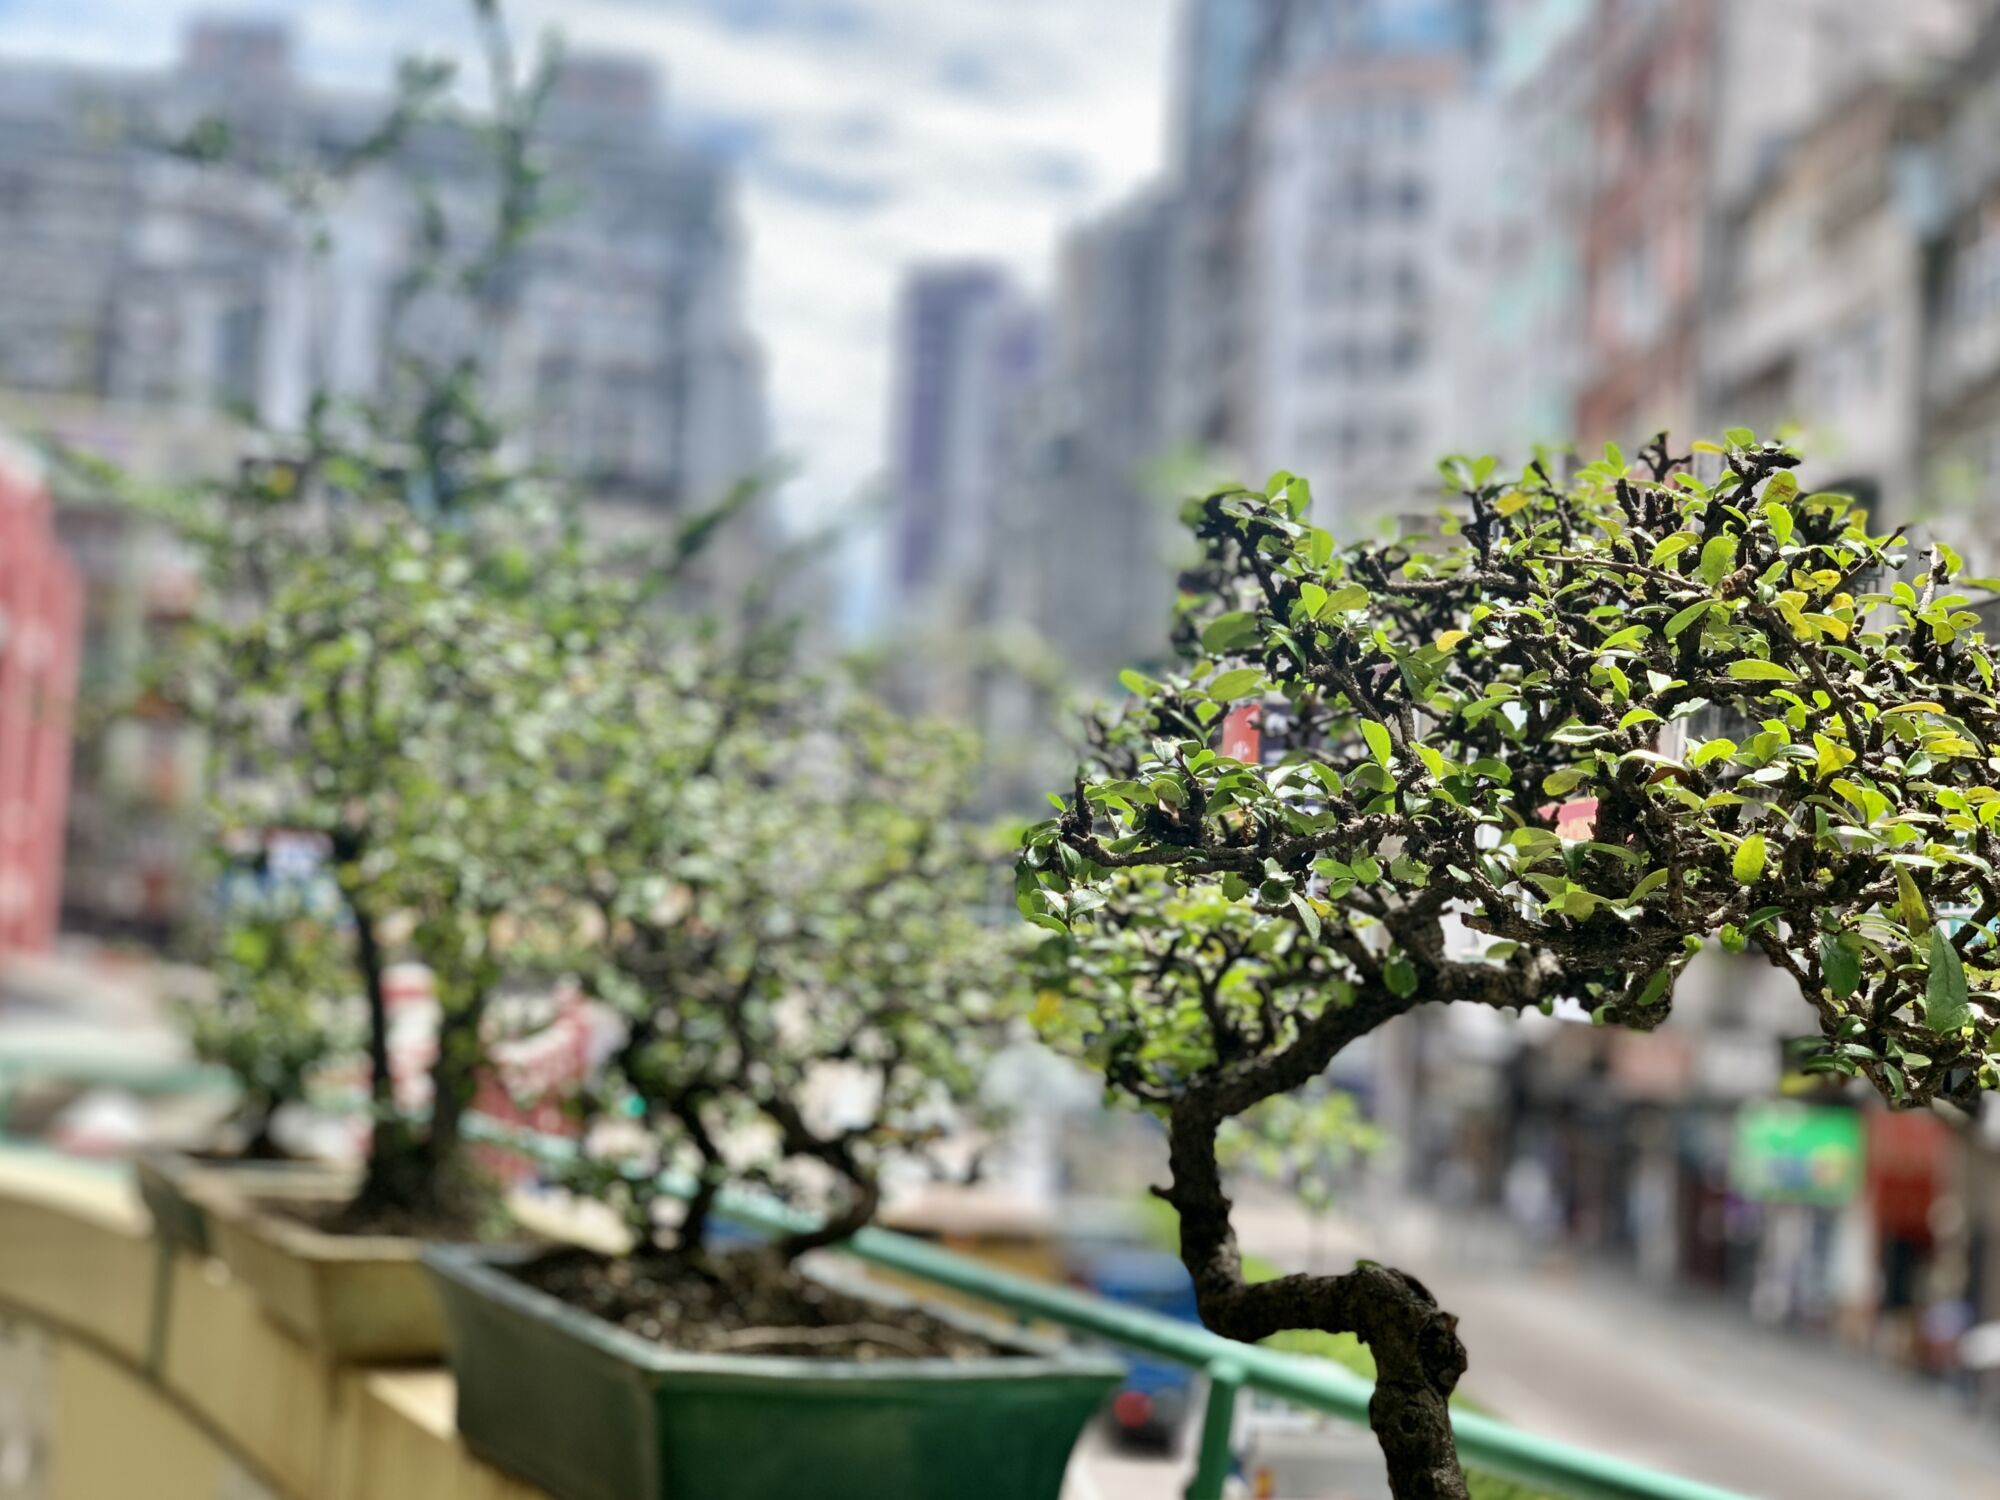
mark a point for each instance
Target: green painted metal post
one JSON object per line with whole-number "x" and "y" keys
{"x": 1218, "y": 1424}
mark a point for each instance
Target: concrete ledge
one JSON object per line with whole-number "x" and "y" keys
{"x": 170, "y": 1384}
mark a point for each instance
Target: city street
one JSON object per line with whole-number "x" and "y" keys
{"x": 1594, "y": 1358}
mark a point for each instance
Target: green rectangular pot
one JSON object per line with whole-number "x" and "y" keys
{"x": 591, "y": 1412}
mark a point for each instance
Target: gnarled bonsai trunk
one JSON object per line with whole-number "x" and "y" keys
{"x": 1418, "y": 1356}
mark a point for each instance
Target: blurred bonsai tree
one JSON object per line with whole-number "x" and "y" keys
{"x": 1431, "y": 705}
{"x": 786, "y": 913}
{"x": 270, "y": 1023}
{"x": 396, "y": 695}
{"x": 398, "y": 621}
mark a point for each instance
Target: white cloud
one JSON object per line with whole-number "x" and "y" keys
{"x": 874, "y": 133}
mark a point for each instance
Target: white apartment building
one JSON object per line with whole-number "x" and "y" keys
{"x": 1366, "y": 271}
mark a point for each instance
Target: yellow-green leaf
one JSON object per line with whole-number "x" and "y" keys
{"x": 1377, "y": 735}
{"x": 1910, "y": 904}
{"x": 1234, "y": 684}
{"x": 1752, "y": 669}
{"x": 1831, "y": 756}
{"x": 1749, "y": 862}
{"x": 1717, "y": 558}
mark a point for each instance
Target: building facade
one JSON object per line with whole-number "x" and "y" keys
{"x": 614, "y": 337}
{"x": 1961, "y": 313}
{"x": 1692, "y": 107}
{"x": 41, "y": 611}
{"x": 1364, "y": 272}
{"x": 1819, "y": 318}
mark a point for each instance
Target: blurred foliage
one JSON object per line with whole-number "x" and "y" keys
{"x": 524, "y": 762}
{"x": 278, "y": 965}
{"x": 1308, "y": 1143}
{"x": 787, "y": 901}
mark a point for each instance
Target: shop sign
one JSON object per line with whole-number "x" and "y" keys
{"x": 1797, "y": 1153}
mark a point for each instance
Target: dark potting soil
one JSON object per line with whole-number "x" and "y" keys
{"x": 485, "y": 1222}
{"x": 746, "y": 1303}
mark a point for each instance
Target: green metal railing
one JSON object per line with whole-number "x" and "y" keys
{"x": 1229, "y": 1367}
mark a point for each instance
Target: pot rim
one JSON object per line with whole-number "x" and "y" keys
{"x": 484, "y": 1270}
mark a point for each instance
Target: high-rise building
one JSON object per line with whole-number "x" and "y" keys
{"x": 1818, "y": 319}
{"x": 1230, "y": 50}
{"x": 1079, "y": 579}
{"x": 1364, "y": 251}
{"x": 1517, "y": 349}
{"x": 968, "y": 347}
{"x": 1362, "y": 275}
{"x": 614, "y": 335}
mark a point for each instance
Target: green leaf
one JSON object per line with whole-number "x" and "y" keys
{"x": 1307, "y": 915}
{"x": 1673, "y": 546}
{"x": 1687, "y": 617}
{"x": 1910, "y": 903}
{"x": 1740, "y": 437}
{"x": 1564, "y": 779}
{"x": 1779, "y": 516}
{"x": 1754, "y": 669}
{"x": 1631, "y": 635}
{"x": 1717, "y": 558}
{"x": 1349, "y": 596}
{"x": 1401, "y": 976}
{"x": 1377, "y": 735}
{"x": 1239, "y": 683}
{"x": 1748, "y": 866}
{"x": 1226, "y": 632}
{"x": 1840, "y": 963}
{"x": 1136, "y": 683}
{"x": 1946, "y": 1006}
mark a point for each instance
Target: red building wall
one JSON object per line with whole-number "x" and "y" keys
{"x": 40, "y": 628}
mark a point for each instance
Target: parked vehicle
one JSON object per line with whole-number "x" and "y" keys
{"x": 1151, "y": 1407}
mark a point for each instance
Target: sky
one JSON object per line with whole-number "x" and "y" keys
{"x": 869, "y": 134}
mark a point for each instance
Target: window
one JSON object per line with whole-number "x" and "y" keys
{"x": 1634, "y": 309}
{"x": 238, "y": 336}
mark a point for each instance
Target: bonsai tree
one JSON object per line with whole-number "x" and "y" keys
{"x": 398, "y": 620}
{"x": 269, "y": 1023}
{"x": 1790, "y": 750}
{"x": 394, "y": 695}
{"x": 786, "y": 914}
